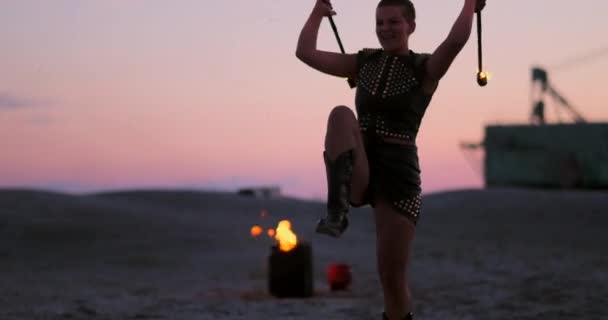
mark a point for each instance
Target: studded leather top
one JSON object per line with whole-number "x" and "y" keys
{"x": 390, "y": 101}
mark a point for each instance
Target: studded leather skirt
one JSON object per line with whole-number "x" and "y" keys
{"x": 394, "y": 176}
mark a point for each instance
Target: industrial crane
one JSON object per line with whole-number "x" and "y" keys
{"x": 541, "y": 87}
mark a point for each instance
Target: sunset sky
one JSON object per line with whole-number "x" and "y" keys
{"x": 114, "y": 94}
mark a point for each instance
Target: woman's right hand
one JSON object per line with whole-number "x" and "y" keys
{"x": 479, "y": 5}
{"x": 324, "y": 8}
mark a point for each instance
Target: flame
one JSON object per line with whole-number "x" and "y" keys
{"x": 485, "y": 74}
{"x": 271, "y": 233}
{"x": 256, "y": 231}
{"x": 287, "y": 239}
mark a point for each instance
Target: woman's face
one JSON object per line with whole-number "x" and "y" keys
{"x": 392, "y": 29}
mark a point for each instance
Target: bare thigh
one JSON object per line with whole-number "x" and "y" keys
{"x": 360, "y": 180}
{"x": 394, "y": 236}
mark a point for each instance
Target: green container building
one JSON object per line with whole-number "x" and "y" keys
{"x": 548, "y": 156}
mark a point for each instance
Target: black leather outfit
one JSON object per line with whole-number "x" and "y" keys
{"x": 390, "y": 103}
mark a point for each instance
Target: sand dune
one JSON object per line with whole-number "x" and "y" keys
{"x": 157, "y": 254}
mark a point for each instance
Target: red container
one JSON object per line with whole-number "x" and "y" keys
{"x": 339, "y": 276}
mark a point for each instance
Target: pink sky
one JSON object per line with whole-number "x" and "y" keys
{"x": 99, "y": 95}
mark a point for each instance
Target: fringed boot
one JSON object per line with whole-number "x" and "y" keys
{"x": 339, "y": 176}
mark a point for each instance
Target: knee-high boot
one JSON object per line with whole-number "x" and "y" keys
{"x": 339, "y": 176}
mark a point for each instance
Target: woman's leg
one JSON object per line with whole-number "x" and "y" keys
{"x": 347, "y": 169}
{"x": 394, "y": 236}
{"x": 343, "y": 134}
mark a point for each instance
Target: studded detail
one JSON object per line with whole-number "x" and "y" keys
{"x": 371, "y": 73}
{"x": 387, "y": 95}
{"x": 378, "y": 125}
{"x": 410, "y": 207}
{"x": 400, "y": 79}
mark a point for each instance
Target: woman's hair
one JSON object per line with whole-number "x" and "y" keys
{"x": 409, "y": 12}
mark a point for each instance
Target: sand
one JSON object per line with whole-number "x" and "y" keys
{"x": 478, "y": 254}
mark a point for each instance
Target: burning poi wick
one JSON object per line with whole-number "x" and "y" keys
{"x": 482, "y": 76}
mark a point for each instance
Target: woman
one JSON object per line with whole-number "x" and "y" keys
{"x": 372, "y": 159}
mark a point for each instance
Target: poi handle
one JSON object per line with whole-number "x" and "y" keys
{"x": 351, "y": 82}
{"x": 482, "y": 77}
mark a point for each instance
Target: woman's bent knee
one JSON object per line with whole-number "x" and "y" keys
{"x": 342, "y": 113}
